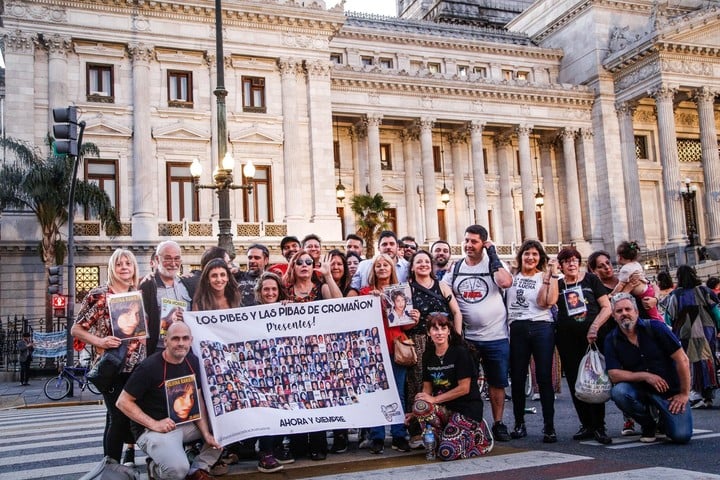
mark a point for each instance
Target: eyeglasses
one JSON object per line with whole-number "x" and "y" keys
{"x": 571, "y": 260}
{"x": 307, "y": 262}
{"x": 411, "y": 247}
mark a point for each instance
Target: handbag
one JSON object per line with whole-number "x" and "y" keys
{"x": 105, "y": 370}
{"x": 593, "y": 383}
{"x": 405, "y": 353}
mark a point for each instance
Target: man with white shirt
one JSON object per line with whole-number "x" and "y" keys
{"x": 478, "y": 281}
{"x": 387, "y": 243}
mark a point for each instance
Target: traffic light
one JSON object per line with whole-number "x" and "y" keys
{"x": 65, "y": 130}
{"x": 59, "y": 302}
{"x": 55, "y": 281}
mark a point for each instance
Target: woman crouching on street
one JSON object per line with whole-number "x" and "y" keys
{"x": 450, "y": 400}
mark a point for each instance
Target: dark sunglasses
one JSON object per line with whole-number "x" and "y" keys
{"x": 307, "y": 261}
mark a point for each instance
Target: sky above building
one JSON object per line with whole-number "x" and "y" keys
{"x": 381, "y": 7}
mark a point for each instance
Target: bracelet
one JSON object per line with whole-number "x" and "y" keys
{"x": 555, "y": 276}
{"x": 546, "y": 283}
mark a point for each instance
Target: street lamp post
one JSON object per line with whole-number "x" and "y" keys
{"x": 688, "y": 196}
{"x": 223, "y": 175}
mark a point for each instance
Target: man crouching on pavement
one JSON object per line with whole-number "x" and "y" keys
{"x": 144, "y": 401}
{"x": 649, "y": 371}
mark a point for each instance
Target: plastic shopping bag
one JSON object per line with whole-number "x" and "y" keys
{"x": 593, "y": 384}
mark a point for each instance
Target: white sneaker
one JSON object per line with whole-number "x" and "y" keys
{"x": 536, "y": 396}
{"x": 416, "y": 442}
{"x": 694, "y": 396}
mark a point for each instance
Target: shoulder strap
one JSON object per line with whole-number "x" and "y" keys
{"x": 456, "y": 267}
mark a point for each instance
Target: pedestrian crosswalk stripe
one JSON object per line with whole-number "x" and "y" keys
{"x": 46, "y": 456}
{"x": 54, "y": 472}
{"x": 656, "y": 473}
{"x": 90, "y": 436}
{"x": 437, "y": 470}
{"x": 57, "y": 427}
{"x": 26, "y": 439}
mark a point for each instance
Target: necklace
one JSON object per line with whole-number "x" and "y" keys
{"x": 441, "y": 357}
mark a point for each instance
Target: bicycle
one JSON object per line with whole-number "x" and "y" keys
{"x": 58, "y": 387}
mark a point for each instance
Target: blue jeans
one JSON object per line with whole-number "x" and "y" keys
{"x": 537, "y": 339}
{"x": 634, "y": 400}
{"x": 397, "y": 430}
{"x": 495, "y": 359}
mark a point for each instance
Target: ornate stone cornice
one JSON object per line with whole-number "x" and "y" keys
{"x": 309, "y": 17}
{"x": 36, "y": 11}
{"x": 576, "y": 96}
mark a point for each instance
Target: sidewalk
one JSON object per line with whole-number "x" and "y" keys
{"x": 13, "y": 395}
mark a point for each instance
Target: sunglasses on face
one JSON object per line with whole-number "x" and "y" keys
{"x": 307, "y": 261}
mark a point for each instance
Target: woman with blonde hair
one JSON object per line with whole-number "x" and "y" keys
{"x": 92, "y": 326}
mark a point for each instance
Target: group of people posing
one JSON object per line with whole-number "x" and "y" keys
{"x": 475, "y": 309}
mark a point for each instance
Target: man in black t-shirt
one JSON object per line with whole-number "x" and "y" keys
{"x": 144, "y": 401}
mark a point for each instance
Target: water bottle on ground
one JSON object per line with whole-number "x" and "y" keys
{"x": 429, "y": 442}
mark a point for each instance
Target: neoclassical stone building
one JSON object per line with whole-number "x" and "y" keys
{"x": 601, "y": 108}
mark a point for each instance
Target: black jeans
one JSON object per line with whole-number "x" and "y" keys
{"x": 25, "y": 371}
{"x": 537, "y": 339}
{"x": 572, "y": 345}
{"x": 117, "y": 425}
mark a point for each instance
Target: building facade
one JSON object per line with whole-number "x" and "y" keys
{"x": 573, "y": 121}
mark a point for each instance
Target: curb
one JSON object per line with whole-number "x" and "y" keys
{"x": 63, "y": 404}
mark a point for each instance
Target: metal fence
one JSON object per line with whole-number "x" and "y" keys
{"x": 11, "y": 330}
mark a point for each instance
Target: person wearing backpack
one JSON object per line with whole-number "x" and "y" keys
{"x": 477, "y": 281}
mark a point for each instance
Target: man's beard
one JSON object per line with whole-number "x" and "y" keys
{"x": 441, "y": 262}
{"x": 627, "y": 324}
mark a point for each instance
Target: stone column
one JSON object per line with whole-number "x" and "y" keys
{"x": 58, "y": 47}
{"x": 428, "y": 174}
{"x": 324, "y": 213}
{"x": 674, "y": 215}
{"x": 526, "y": 181}
{"x": 457, "y": 140}
{"x": 705, "y": 99}
{"x": 145, "y": 166}
{"x": 572, "y": 186}
{"x": 19, "y": 81}
{"x": 373, "y": 143}
{"x": 292, "y": 145}
{"x": 409, "y": 137}
{"x": 589, "y": 191}
{"x": 631, "y": 177}
{"x": 503, "y": 147}
{"x": 361, "y": 151}
{"x": 550, "y": 211}
{"x": 478, "y": 173}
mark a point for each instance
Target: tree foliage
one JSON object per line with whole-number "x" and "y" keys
{"x": 41, "y": 184}
{"x": 369, "y": 212}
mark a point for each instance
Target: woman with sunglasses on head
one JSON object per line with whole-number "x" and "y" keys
{"x": 301, "y": 288}
{"x": 578, "y": 326}
{"x": 383, "y": 274}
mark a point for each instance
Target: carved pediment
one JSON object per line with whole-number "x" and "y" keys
{"x": 706, "y": 33}
{"x": 256, "y": 134}
{"x": 103, "y": 128}
{"x": 179, "y": 131}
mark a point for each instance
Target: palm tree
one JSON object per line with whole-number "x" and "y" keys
{"x": 369, "y": 211}
{"x": 42, "y": 185}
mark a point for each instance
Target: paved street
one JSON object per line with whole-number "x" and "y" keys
{"x": 64, "y": 442}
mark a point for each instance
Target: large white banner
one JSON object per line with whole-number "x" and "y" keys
{"x": 300, "y": 367}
